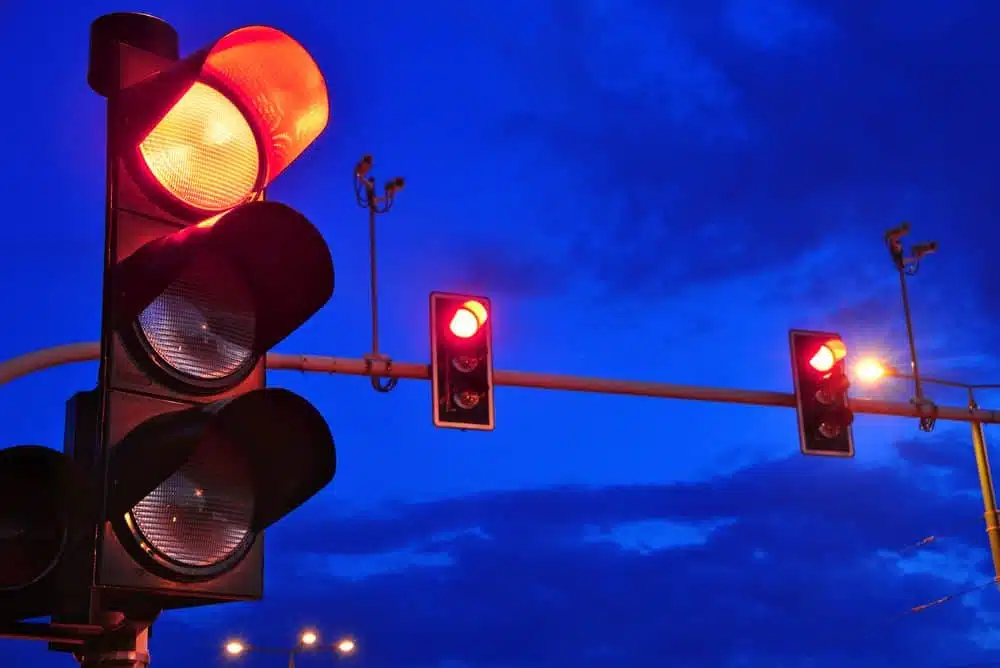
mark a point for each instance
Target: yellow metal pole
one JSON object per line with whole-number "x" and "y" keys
{"x": 986, "y": 486}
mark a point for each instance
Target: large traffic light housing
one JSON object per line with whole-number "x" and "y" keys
{"x": 819, "y": 373}
{"x": 461, "y": 361}
{"x": 202, "y": 277}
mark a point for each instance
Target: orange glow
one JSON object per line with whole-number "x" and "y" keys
{"x": 209, "y": 222}
{"x": 477, "y": 310}
{"x": 203, "y": 151}
{"x": 870, "y": 370}
{"x": 828, "y": 354}
{"x": 468, "y": 319}
{"x": 277, "y": 79}
{"x": 234, "y": 648}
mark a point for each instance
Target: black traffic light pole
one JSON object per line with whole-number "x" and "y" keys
{"x": 124, "y": 644}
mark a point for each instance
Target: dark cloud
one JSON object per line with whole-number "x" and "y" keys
{"x": 719, "y": 139}
{"x": 791, "y": 575}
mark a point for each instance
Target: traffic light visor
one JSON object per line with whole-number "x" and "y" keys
{"x": 43, "y": 494}
{"x": 231, "y": 117}
{"x": 205, "y": 302}
{"x": 194, "y": 486}
{"x": 827, "y": 355}
{"x": 468, "y": 319}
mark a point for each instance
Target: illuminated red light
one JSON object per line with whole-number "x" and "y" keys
{"x": 468, "y": 319}
{"x": 828, "y": 355}
{"x": 823, "y": 360}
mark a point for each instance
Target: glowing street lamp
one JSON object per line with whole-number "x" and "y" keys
{"x": 870, "y": 369}
{"x": 346, "y": 646}
{"x": 234, "y": 648}
{"x": 308, "y": 642}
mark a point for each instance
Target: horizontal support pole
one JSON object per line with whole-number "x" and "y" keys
{"x": 83, "y": 352}
{"x": 67, "y": 634}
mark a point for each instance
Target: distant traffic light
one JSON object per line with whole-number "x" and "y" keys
{"x": 461, "y": 362}
{"x": 202, "y": 278}
{"x": 819, "y": 372}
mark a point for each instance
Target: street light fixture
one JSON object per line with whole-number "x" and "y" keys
{"x": 234, "y": 648}
{"x": 908, "y": 265}
{"x": 308, "y": 642}
{"x": 871, "y": 369}
{"x": 346, "y": 646}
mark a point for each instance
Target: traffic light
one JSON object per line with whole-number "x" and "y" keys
{"x": 819, "y": 372}
{"x": 461, "y": 361}
{"x": 47, "y": 508}
{"x": 203, "y": 276}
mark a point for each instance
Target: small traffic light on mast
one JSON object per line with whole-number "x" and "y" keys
{"x": 461, "y": 361}
{"x": 202, "y": 278}
{"x": 819, "y": 373}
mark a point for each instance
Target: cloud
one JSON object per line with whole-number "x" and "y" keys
{"x": 796, "y": 562}
{"x": 722, "y": 139}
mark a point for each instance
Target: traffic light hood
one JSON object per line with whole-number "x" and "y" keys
{"x": 254, "y": 99}
{"x": 44, "y": 494}
{"x": 265, "y": 250}
{"x": 287, "y": 444}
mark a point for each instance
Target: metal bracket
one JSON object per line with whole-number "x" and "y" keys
{"x": 377, "y": 384}
{"x": 927, "y": 422}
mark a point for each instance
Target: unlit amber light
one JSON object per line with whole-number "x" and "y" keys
{"x": 203, "y": 151}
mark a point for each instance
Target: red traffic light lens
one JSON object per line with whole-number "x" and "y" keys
{"x": 823, "y": 360}
{"x": 831, "y": 352}
{"x": 464, "y": 323}
{"x": 468, "y": 319}
{"x": 203, "y": 151}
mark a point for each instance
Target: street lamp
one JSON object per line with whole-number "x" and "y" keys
{"x": 366, "y": 196}
{"x": 908, "y": 265}
{"x": 234, "y": 648}
{"x": 871, "y": 369}
{"x": 308, "y": 641}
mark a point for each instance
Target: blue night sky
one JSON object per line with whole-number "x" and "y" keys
{"x": 646, "y": 189}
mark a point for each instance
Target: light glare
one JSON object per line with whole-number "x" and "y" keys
{"x": 869, "y": 370}
{"x": 234, "y": 648}
{"x": 464, "y": 323}
{"x": 823, "y": 360}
